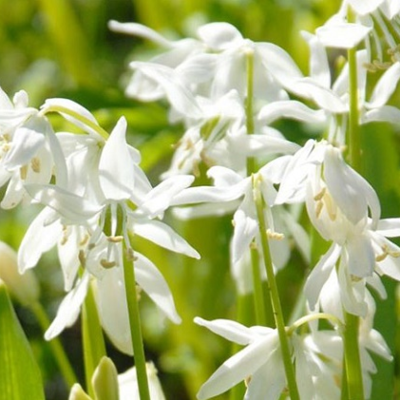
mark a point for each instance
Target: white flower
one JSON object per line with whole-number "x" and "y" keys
{"x": 29, "y": 150}
{"x": 317, "y": 357}
{"x": 128, "y": 387}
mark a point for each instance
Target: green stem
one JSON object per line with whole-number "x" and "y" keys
{"x": 55, "y": 346}
{"x": 354, "y": 136}
{"x": 273, "y": 291}
{"x": 354, "y": 384}
{"x": 352, "y": 358}
{"x": 249, "y": 104}
{"x": 93, "y": 340}
{"x": 135, "y": 325}
{"x": 64, "y": 110}
{"x": 258, "y": 295}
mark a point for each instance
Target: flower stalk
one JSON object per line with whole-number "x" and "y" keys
{"x": 135, "y": 324}
{"x": 354, "y": 384}
{"x": 64, "y": 110}
{"x": 93, "y": 340}
{"x": 273, "y": 292}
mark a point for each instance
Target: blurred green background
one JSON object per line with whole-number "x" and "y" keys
{"x": 63, "y": 48}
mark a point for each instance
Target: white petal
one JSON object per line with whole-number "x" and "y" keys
{"x": 59, "y": 104}
{"x": 38, "y": 239}
{"x": 200, "y": 194}
{"x": 389, "y": 227}
{"x": 351, "y": 192}
{"x": 135, "y": 29}
{"x": 240, "y": 366}
{"x": 385, "y": 86}
{"x": 390, "y": 8}
{"x": 342, "y": 35}
{"x": 352, "y": 293}
{"x": 323, "y": 97}
{"x": 319, "y": 64}
{"x": 269, "y": 381}
{"x": 290, "y": 109}
{"x": 245, "y": 230}
{"x": 361, "y": 260}
{"x": 154, "y": 284}
{"x": 219, "y": 35}
{"x": 377, "y": 344}
{"x": 177, "y": 93}
{"x": 160, "y": 198}
{"x": 164, "y": 236}
{"x": 231, "y": 330}
{"x": 363, "y": 7}
{"x": 69, "y": 308}
{"x": 279, "y": 63}
{"x": 26, "y": 142}
{"x": 389, "y": 114}
{"x": 72, "y": 207}
{"x": 320, "y": 274}
{"x": 113, "y": 309}
{"x": 115, "y": 168}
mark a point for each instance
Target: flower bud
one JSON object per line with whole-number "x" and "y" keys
{"x": 77, "y": 393}
{"x": 105, "y": 380}
{"x": 24, "y": 288}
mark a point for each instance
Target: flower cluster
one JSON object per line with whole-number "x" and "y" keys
{"x": 227, "y": 92}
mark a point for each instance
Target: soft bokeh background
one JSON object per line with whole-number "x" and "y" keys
{"x": 62, "y": 48}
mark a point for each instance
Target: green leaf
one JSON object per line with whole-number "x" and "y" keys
{"x": 20, "y": 377}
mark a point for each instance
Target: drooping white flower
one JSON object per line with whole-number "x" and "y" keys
{"x": 317, "y": 357}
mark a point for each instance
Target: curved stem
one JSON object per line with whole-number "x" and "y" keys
{"x": 55, "y": 346}
{"x": 273, "y": 291}
{"x": 64, "y": 110}
{"x": 135, "y": 324}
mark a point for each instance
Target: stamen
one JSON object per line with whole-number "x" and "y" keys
{"x": 82, "y": 258}
{"x": 107, "y": 264}
{"x": 275, "y": 235}
{"x": 23, "y": 171}
{"x": 320, "y": 195}
{"x": 35, "y": 164}
{"x": 115, "y": 239}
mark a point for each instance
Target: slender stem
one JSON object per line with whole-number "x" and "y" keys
{"x": 258, "y": 295}
{"x": 134, "y": 321}
{"x": 249, "y": 104}
{"x": 355, "y": 387}
{"x": 55, "y": 346}
{"x": 354, "y": 133}
{"x": 273, "y": 291}
{"x": 77, "y": 116}
{"x": 352, "y": 358}
{"x": 93, "y": 340}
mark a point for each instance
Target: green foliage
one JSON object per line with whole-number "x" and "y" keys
{"x": 20, "y": 377}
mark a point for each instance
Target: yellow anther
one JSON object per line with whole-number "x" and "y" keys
{"x": 115, "y": 239}
{"x": 381, "y": 257}
{"x": 275, "y": 235}
{"x": 35, "y": 164}
{"x": 318, "y": 208}
{"x": 107, "y": 264}
{"x": 84, "y": 240}
{"x": 320, "y": 195}
{"x": 82, "y": 258}
{"x": 23, "y": 172}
